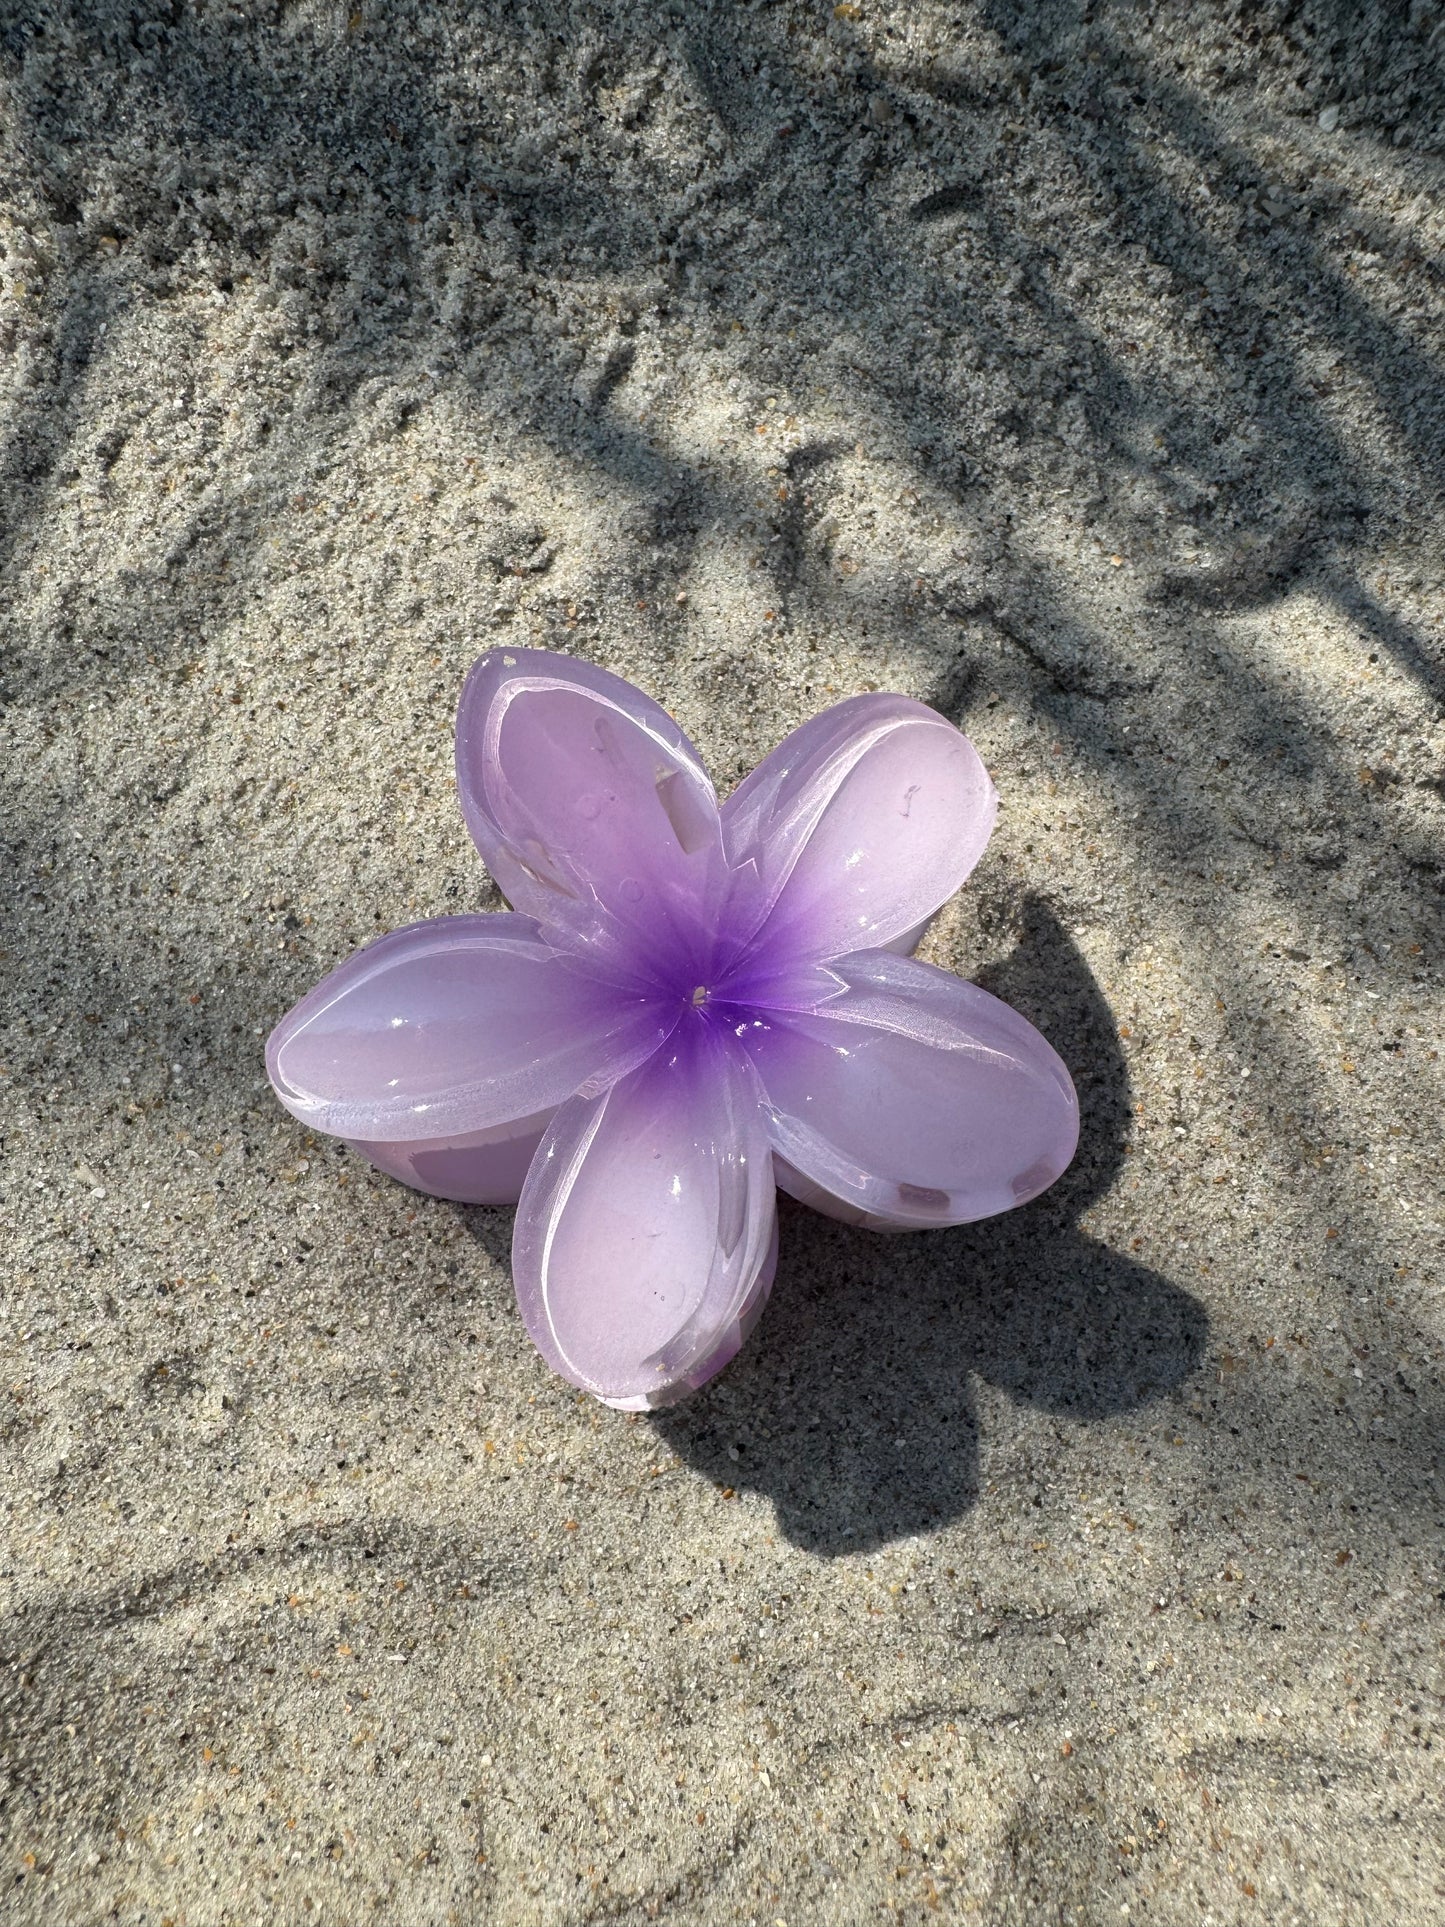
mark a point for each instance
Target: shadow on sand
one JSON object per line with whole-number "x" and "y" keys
{"x": 853, "y": 1408}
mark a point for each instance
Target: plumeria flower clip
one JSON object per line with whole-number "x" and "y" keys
{"x": 686, "y": 1007}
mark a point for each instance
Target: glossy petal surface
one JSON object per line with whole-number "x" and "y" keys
{"x": 857, "y": 828}
{"x": 642, "y": 1243}
{"x": 915, "y": 1098}
{"x": 591, "y": 809}
{"x": 450, "y": 1028}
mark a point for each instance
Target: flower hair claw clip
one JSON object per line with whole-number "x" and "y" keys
{"x": 686, "y": 1007}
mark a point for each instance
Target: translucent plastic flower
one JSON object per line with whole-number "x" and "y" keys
{"x": 686, "y": 1007}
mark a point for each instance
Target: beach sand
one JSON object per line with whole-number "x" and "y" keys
{"x": 1075, "y": 368}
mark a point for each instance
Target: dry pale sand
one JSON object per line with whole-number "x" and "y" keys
{"x": 1076, "y": 367}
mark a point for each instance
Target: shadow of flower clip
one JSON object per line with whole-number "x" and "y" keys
{"x": 687, "y": 1007}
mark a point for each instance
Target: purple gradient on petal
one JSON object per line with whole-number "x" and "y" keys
{"x": 450, "y": 1027}
{"x": 858, "y": 827}
{"x": 646, "y": 1219}
{"x": 915, "y": 1098}
{"x": 692, "y": 1009}
{"x": 592, "y": 810}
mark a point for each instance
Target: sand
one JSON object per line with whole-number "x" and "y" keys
{"x": 1076, "y": 368}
